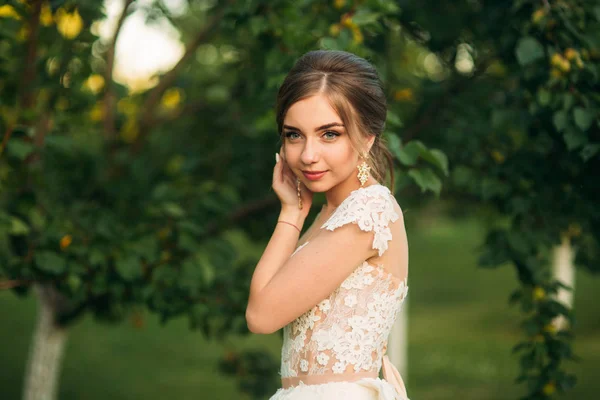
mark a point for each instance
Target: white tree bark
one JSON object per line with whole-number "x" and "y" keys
{"x": 398, "y": 342}
{"x": 564, "y": 271}
{"x": 46, "y": 350}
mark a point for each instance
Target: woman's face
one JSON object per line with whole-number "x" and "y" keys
{"x": 315, "y": 140}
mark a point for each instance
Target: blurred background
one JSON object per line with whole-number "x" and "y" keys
{"x": 137, "y": 142}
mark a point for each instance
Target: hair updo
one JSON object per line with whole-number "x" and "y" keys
{"x": 355, "y": 92}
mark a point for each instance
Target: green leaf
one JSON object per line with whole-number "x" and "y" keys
{"x": 129, "y": 268}
{"x": 187, "y": 242}
{"x": 568, "y": 101}
{"x": 437, "y": 158}
{"x": 258, "y": 24}
{"x": 409, "y": 153}
{"x": 50, "y": 262}
{"x": 18, "y": 227}
{"x": 364, "y": 17}
{"x": 19, "y": 149}
{"x": 589, "y": 151}
{"x": 560, "y": 120}
{"x": 173, "y": 210}
{"x": 393, "y": 119}
{"x": 394, "y": 144}
{"x": 574, "y": 139}
{"x": 96, "y": 257}
{"x": 146, "y": 247}
{"x": 544, "y": 97}
{"x": 583, "y": 118}
{"x": 426, "y": 179}
{"x": 529, "y": 50}
{"x": 491, "y": 187}
{"x": 329, "y": 43}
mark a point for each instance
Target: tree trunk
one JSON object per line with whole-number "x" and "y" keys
{"x": 47, "y": 348}
{"x": 564, "y": 271}
{"x": 398, "y": 342}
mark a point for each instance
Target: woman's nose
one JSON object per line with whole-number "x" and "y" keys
{"x": 309, "y": 153}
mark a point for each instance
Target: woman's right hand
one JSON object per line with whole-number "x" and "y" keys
{"x": 284, "y": 185}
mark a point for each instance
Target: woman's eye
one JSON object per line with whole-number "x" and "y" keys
{"x": 332, "y": 134}
{"x": 290, "y": 134}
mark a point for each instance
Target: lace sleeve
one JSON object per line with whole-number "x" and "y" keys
{"x": 372, "y": 209}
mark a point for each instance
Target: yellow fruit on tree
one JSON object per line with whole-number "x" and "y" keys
{"x": 339, "y": 3}
{"x": 335, "y": 29}
{"x": 22, "y": 34}
{"x": 498, "y": 157}
{"x": 130, "y": 130}
{"x": 46, "y": 15}
{"x": 565, "y": 66}
{"x": 97, "y": 112}
{"x": 539, "y": 293}
{"x": 172, "y": 98}
{"x": 357, "y": 35}
{"x": 69, "y": 24}
{"x": 571, "y": 53}
{"x": 538, "y": 15}
{"x": 65, "y": 242}
{"x": 405, "y": 94}
{"x": 9, "y": 12}
{"x": 556, "y": 59}
{"x": 549, "y": 388}
{"x": 555, "y": 73}
{"x": 347, "y": 21}
{"x": 94, "y": 83}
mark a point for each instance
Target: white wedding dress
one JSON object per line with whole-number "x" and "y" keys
{"x": 336, "y": 349}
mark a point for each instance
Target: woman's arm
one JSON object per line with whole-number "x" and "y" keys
{"x": 278, "y": 250}
{"x": 288, "y": 286}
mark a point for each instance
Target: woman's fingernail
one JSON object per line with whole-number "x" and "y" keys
{"x": 277, "y": 157}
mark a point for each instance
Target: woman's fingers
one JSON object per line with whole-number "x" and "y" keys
{"x": 277, "y": 175}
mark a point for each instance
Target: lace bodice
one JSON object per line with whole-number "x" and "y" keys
{"x": 347, "y": 332}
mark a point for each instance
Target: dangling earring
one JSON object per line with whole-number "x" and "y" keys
{"x": 363, "y": 170}
{"x": 299, "y": 196}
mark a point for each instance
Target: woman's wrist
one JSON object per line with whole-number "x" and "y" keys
{"x": 294, "y": 217}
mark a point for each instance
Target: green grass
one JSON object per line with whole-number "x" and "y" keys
{"x": 461, "y": 332}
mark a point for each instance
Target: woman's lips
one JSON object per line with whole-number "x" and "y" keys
{"x": 314, "y": 176}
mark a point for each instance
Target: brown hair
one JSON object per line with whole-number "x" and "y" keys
{"x": 355, "y": 92}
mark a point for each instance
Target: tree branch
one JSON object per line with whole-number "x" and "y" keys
{"x": 13, "y": 283}
{"x": 149, "y": 107}
{"x": 267, "y": 202}
{"x": 109, "y": 93}
{"x": 26, "y": 94}
{"x": 6, "y": 137}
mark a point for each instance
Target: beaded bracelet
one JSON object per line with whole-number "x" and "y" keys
{"x": 289, "y": 223}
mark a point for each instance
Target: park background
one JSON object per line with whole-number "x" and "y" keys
{"x": 137, "y": 146}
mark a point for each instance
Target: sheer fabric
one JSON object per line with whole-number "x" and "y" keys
{"x": 336, "y": 349}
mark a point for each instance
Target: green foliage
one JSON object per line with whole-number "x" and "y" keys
{"x": 521, "y": 128}
{"x": 121, "y": 198}
{"x": 254, "y": 370}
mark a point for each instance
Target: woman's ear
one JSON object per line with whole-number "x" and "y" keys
{"x": 370, "y": 143}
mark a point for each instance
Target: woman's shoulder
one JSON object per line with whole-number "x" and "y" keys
{"x": 372, "y": 208}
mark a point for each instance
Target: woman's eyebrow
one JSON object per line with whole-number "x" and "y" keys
{"x": 320, "y": 128}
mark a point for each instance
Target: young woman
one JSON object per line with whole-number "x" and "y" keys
{"x": 336, "y": 291}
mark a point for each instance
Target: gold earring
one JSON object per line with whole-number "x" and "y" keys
{"x": 299, "y": 196}
{"x": 363, "y": 171}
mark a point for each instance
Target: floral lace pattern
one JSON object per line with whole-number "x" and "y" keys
{"x": 347, "y": 331}
{"x": 372, "y": 209}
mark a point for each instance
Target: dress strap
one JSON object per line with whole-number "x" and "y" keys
{"x": 391, "y": 374}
